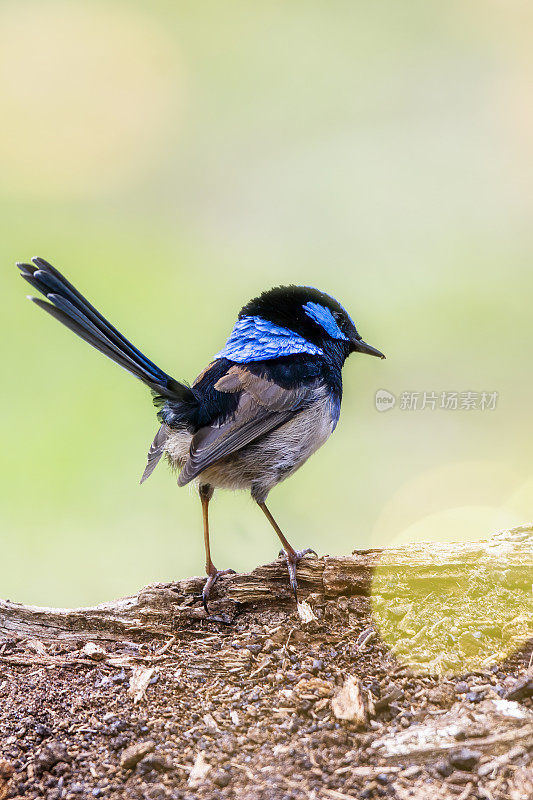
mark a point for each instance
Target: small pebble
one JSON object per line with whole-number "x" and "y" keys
{"x": 42, "y": 731}
{"x": 464, "y": 759}
{"x": 94, "y": 651}
{"x": 52, "y": 754}
{"x": 134, "y": 753}
{"x": 222, "y": 778}
{"x": 411, "y": 772}
{"x": 156, "y": 761}
{"x": 521, "y": 689}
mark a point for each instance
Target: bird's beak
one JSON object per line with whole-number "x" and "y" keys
{"x": 359, "y": 346}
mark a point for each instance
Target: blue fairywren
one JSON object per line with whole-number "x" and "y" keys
{"x": 255, "y": 414}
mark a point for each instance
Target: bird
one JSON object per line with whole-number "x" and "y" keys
{"x": 265, "y": 403}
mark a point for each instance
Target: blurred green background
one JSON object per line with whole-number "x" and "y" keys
{"x": 174, "y": 159}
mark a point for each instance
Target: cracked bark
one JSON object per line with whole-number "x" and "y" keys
{"x": 158, "y": 610}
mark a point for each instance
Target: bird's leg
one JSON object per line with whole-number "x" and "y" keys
{"x": 292, "y": 556}
{"x": 213, "y": 574}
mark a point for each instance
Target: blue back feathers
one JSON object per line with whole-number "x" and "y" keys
{"x": 289, "y": 321}
{"x": 256, "y": 339}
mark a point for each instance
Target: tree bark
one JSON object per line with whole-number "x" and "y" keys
{"x": 158, "y": 610}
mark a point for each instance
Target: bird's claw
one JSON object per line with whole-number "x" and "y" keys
{"x": 210, "y": 582}
{"x": 293, "y": 558}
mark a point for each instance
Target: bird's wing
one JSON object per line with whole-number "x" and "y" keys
{"x": 157, "y": 448}
{"x": 263, "y": 406}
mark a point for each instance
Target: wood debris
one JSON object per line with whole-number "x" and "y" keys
{"x": 199, "y": 771}
{"x": 352, "y": 702}
{"x": 139, "y": 681}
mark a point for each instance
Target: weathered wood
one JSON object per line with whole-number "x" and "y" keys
{"x": 162, "y": 609}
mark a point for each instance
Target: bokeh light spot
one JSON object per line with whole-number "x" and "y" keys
{"x": 455, "y": 610}
{"x": 482, "y": 486}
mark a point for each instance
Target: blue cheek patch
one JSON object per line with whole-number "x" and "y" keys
{"x": 325, "y": 319}
{"x": 255, "y": 339}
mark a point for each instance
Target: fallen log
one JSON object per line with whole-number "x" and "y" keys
{"x": 158, "y": 610}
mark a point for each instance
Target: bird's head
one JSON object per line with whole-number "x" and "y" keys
{"x": 313, "y": 317}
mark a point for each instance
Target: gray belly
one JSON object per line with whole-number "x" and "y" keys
{"x": 261, "y": 465}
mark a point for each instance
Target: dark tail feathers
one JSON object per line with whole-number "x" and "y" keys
{"x": 73, "y": 310}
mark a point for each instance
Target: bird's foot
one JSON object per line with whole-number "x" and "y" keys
{"x": 212, "y": 578}
{"x": 293, "y": 558}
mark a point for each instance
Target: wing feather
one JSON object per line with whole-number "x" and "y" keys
{"x": 263, "y": 406}
{"x": 157, "y": 448}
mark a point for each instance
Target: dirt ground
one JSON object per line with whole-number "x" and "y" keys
{"x": 269, "y": 707}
